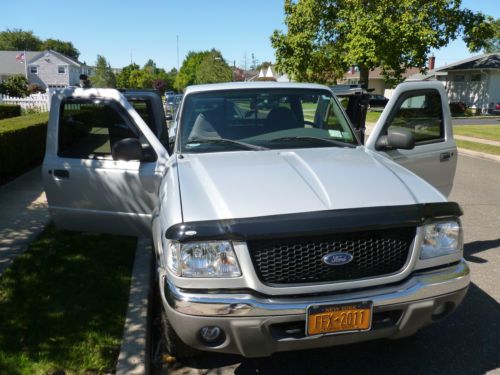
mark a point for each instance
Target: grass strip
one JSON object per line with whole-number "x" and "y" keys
{"x": 372, "y": 116}
{"x": 63, "y": 304}
{"x": 491, "y": 132}
{"x": 480, "y": 147}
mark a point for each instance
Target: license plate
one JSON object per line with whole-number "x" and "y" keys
{"x": 347, "y": 317}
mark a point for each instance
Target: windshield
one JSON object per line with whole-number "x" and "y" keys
{"x": 262, "y": 119}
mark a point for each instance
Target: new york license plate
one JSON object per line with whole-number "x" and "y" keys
{"x": 338, "y": 318}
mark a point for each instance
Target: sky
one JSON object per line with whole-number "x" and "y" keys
{"x": 126, "y": 30}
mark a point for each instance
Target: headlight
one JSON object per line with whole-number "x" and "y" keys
{"x": 202, "y": 259}
{"x": 440, "y": 239}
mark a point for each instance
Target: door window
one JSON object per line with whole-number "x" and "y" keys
{"x": 89, "y": 129}
{"x": 422, "y": 114}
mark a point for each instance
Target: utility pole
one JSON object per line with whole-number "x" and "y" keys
{"x": 178, "y": 65}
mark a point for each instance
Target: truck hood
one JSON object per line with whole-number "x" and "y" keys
{"x": 228, "y": 185}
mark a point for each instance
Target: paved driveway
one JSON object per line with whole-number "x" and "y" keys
{"x": 468, "y": 342}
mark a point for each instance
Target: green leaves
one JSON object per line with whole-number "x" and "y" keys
{"x": 104, "y": 76}
{"x": 66, "y": 48}
{"x": 20, "y": 40}
{"x": 16, "y": 85}
{"x": 203, "y": 67}
{"x": 324, "y": 38}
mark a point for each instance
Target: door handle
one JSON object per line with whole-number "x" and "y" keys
{"x": 444, "y": 156}
{"x": 60, "y": 173}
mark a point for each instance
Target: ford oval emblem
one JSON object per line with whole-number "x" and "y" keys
{"x": 337, "y": 259}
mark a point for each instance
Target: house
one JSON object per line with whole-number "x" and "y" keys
{"x": 376, "y": 79}
{"x": 47, "y": 69}
{"x": 474, "y": 81}
{"x": 269, "y": 74}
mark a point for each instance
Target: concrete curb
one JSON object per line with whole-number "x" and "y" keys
{"x": 479, "y": 155}
{"x": 133, "y": 358}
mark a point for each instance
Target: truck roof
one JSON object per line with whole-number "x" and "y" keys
{"x": 252, "y": 85}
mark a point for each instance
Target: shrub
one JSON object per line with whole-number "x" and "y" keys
{"x": 9, "y": 110}
{"x": 457, "y": 108}
{"x": 22, "y": 142}
{"x": 16, "y": 86}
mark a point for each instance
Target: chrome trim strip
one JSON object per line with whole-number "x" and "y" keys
{"x": 421, "y": 286}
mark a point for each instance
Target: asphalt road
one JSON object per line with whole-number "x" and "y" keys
{"x": 468, "y": 342}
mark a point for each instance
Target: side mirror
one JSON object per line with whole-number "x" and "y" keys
{"x": 399, "y": 138}
{"x": 127, "y": 149}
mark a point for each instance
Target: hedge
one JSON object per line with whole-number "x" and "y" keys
{"x": 9, "y": 110}
{"x": 22, "y": 142}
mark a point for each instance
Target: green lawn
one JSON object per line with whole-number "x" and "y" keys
{"x": 481, "y": 147}
{"x": 491, "y": 132}
{"x": 372, "y": 116}
{"x": 63, "y": 304}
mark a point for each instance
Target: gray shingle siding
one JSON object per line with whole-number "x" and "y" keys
{"x": 47, "y": 63}
{"x": 48, "y": 75}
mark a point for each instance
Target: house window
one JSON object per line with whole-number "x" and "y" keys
{"x": 459, "y": 78}
{"x": 476, "y": 77}
{"x": 61, "y": 69}
{"x": 34, "y": 69}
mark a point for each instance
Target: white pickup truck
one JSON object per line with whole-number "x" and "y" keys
{"x": 274, "y": 228}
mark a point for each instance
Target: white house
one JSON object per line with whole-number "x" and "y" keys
{"x": 47, "y": 69}
{"x": 474, "y": 81}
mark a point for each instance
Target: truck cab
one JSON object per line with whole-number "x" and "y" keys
{"x": 274, "y": 227}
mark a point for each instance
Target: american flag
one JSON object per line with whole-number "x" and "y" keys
{"x": 20, "y": 56}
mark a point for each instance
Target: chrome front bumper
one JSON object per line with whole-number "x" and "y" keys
{"x": 247, "y": 318}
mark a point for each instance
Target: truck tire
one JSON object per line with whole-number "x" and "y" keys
{"x": 173, "y": 344}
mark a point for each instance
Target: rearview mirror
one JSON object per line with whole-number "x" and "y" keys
{"x": 399, "y": 138}
{"x": 127, "y": 149}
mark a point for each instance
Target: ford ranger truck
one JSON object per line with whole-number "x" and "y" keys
{"x": 274, "y": 228}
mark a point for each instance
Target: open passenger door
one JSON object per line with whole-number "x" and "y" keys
{"x": 420, "y": 109}
{"x": 103, "y": 165}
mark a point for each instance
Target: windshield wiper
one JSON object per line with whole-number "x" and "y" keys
{"x": 324, "y": 140}
{"x": 247, "y": 146}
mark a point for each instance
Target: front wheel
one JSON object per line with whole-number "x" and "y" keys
{"x": 173, "y": 344}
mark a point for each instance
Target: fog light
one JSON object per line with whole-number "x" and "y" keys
{"x": 212, "y": 335}
{"x": 439, "y": 309}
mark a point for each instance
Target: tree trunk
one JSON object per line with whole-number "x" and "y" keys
{"x": 364, "y": 73}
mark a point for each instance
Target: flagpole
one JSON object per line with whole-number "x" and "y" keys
{"x": 25, "y": 66}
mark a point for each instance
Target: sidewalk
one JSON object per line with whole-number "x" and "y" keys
{"x": 23, "y": 215}
{"x": 477, "y": 140}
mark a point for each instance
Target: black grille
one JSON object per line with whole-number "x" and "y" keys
{"x": 300, "y": 260}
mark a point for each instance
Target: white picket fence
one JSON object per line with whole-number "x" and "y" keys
{"x": 39, "y": 102}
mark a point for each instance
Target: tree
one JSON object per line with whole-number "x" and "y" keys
{"x": 202, "y": 67}
{"x": 324, "y": 38}
{"x": 104, "y": 76}
{"x": 123, "y": 78}
{"x": 187, "y": 72}
{"x": 66, "y": 48}
{"x": 141, "y": 79}
{"x": 19, "y": 40}
{"x": 492, "y": 45}
{"x": 213, "y": 69}
{"x": 264, "y": 65}
{"x": 16, "y": 85}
